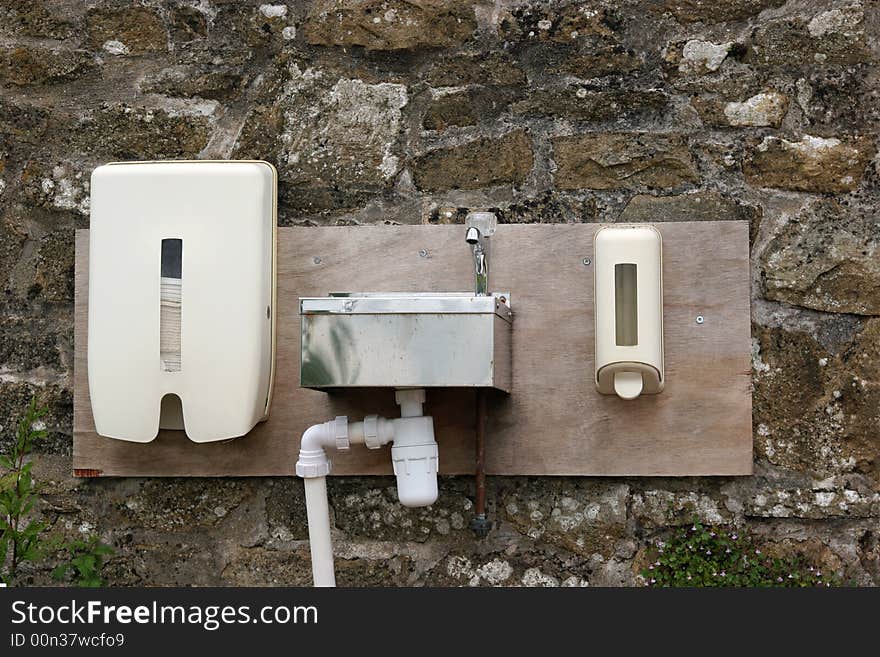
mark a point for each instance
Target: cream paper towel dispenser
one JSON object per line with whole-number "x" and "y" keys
{"x": 628, "y": 310}
{"x": 181, "y": 321}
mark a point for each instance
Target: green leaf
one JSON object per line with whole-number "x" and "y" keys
{"x": 59, "y": 571}
{"x": 7, "y": 481}
{"x": 85, "y": 563}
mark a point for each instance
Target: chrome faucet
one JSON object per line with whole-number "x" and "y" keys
{"x": 479, "y": 227}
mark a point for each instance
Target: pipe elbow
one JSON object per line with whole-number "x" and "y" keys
{"x": 313, "y": 461}
{"x": 315, "y": 437}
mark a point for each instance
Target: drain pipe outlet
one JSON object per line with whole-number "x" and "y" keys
{"x": 320, "y": 544}
{"x": 314, "y": 466}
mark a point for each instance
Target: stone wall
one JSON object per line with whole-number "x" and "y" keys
{"x": 410, "y": 111}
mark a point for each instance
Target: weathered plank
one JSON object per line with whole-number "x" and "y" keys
{"x": 554, "y": 422}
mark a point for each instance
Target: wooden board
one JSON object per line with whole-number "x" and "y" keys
{"x": 554, "y": 422}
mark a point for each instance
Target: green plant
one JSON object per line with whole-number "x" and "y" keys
{"x": 24, "y": 537}
{"x": 85, "y": 560}
{"x": 716, "y": 556}
{"x": 20, "y": 534}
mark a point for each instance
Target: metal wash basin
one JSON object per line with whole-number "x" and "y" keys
{"x": 406, "y": 340}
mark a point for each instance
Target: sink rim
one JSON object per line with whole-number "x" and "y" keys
{"x": 407, "y": 303}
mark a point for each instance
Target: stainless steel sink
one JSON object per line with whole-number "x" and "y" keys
{"x": 402, "y": 340}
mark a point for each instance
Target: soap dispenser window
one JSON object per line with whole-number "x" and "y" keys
{"x": 626, "y": 305}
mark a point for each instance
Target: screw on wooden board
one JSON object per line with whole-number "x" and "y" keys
{"x": 587, "y": 262}
{"x": 700, "y": 319}
{"x": 423, "y": 253}
{"x": 316, "y": 260}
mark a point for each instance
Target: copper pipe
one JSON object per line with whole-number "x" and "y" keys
{"x": 480, "y": 524}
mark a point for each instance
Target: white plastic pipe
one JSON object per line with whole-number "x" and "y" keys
{"x": 410, "y": 401}
{"x": 318, "y": 511}
{"x": 314, "y": 466}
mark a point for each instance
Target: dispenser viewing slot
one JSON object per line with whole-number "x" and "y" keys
{"x": 628, "y": 310}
